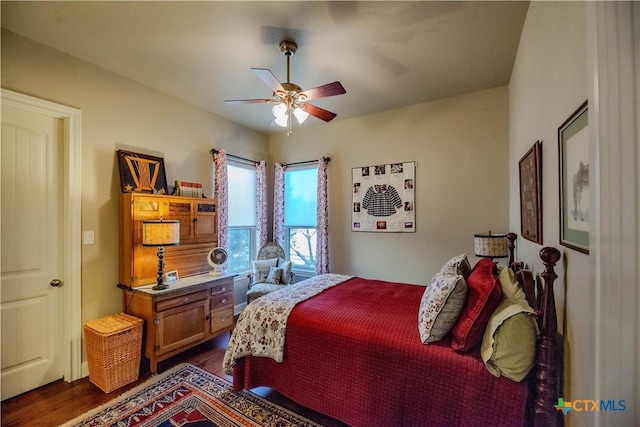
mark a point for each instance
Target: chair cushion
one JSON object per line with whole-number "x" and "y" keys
{"x": 261, "y": 269}
{"x": 261, "y": 289}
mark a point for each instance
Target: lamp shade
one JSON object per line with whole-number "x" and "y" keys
{"x": 160, "y": 233}
{"x": 491, "y": 245}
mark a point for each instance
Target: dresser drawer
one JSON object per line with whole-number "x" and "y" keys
{"x": 181, "y": 300}
{"x": 221, "y": 318}
{"x": 224, "y": 299}
{"x": 219, "y": 289}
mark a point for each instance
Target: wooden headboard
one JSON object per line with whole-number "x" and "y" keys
{"x": 544, "y": 377}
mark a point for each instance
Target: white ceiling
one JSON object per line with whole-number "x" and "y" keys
{"x": 386, "y": 54}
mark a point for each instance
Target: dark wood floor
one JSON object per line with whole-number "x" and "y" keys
{"x": 58, "y": 402}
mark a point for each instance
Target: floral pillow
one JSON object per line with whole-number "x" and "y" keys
{"x": 286, "y": 267}
{"x": 274, "y": 276}
{"x": 261, "y": 269}
{"x": 441, "y": 305}
{"x": 461, "y": 265}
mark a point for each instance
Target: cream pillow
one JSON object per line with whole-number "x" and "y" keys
{"x": 261, "y": 269}
{"x": 509, "y": 343}
{"x": 510, "y": 287}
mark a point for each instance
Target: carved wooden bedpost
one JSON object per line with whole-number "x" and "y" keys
{"x": 511, "y": 237}
{"x": 547, "y": 362}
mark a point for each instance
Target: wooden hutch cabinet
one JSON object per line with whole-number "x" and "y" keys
{"x": 198, "y": 235}
{"x": 196, "y": 308}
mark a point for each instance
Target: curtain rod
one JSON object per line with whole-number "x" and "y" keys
{"x": 215, "y": 151}
{"x": 307, "y": 162}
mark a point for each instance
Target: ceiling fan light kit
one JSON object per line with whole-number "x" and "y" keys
{"x": 289, "y": 98}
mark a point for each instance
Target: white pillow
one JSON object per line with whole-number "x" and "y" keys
{"x": 441, "y": 305}
{"x": 261, "y": 269}
{"x": 286, "y": 267}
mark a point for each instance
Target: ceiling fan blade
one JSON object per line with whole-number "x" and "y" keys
{"x": 245, "y": 101}
{"x": 320, "y": 113}
{"x": 267, "y": 76}
{"x": 330, "y": 89}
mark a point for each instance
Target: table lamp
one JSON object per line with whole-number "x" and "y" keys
{"x": 491, "y": 245}
{"x": 160, "y": 233}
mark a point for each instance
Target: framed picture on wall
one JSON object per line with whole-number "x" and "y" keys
{"x": 573, "y": 159}
{"x": 384, "y": 198}
{"x": 531, "y": 194}
{"x": 141, "y": 173}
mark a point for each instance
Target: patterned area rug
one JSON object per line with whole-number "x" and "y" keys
{"x": 189, "y": 396}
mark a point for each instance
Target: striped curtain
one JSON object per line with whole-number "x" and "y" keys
{"x": 322, "y": 243}
{"x": 261, "y": 204}
{"x": 221, "y": 191}
{"x": 278, "y": 205}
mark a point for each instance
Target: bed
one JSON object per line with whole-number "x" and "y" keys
{"x": 353, "y": 351}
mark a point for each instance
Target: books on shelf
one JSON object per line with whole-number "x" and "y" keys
{"x": 188, "y": 189}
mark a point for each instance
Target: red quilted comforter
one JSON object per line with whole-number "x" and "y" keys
{"x": 353, "y": 352}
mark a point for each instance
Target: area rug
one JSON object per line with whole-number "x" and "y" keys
{"x": 189, "y": 396}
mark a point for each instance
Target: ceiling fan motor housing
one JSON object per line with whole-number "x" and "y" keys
{"x": 288, "y": 47}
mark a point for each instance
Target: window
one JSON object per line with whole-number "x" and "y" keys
{"x": 300, "y": 216}
{"x": 242, "y": 217}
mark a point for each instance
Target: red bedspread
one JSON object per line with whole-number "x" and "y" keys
{"x": 354, "y": 353}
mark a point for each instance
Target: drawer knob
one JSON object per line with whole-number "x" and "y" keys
{"x": 223, "y": 289}
{"x": 186, "y": 299}
{"x": 223, "y": 300}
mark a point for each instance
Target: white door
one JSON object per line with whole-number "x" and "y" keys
{"x": 32, "y": 302}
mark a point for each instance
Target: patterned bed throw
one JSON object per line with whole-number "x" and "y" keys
{"x": 262, "y": 326}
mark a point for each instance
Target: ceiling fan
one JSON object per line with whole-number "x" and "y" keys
{"x": 289, "y": 98}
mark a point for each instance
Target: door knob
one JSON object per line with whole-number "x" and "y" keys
{"x": 56, "y": 283}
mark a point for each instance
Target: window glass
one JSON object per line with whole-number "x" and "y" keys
{"x": 301, "y": 206}
{"x": 242, "y": 222}
{"x": 240, "y": 249}
{"x": 242, "y": 196}
{"x": 301, "y": 197}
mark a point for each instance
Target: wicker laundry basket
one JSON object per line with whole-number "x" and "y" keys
{"x": 114, "y": 346}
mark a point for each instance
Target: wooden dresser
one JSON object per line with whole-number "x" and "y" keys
{"x": 190, "y": 312}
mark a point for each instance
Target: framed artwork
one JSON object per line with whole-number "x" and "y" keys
{"x": 384, "y": 198}
{"x": 171, "y": 277}
{"x": 573, "y": 145}
{"x": 531, "y": 194}
{"x": 141, "y": 173}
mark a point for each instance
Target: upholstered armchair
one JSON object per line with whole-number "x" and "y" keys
{"x": 271, "y": 271}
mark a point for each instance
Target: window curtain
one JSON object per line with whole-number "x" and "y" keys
{"x": 322, "y": 233}
{"x": 261, "y": 204}
{"x": 221, "y": 191}
{"x": 278, "y": 205}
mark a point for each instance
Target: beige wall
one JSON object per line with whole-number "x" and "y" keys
{"x": 549, "y": 82}
{"x": 118, "y": 113}
{"x": 460, "y": 145}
